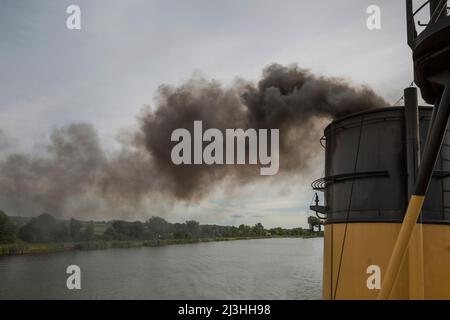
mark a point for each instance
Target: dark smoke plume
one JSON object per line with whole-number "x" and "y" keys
{"x": 77, "y": 174}
{"x": 288, "y": 98}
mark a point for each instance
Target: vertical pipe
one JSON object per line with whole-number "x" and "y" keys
{"x": 412, "y": 136}
{"x": 433, "y": 117}
{"x": 415, "y": 204}
{"x": 415, "y": 251}
{"x": 410, "y": 24}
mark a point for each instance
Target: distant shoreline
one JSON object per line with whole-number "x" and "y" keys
{"x": 16, "y": 249}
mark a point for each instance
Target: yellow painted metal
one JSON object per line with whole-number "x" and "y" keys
{"x": 401, "y": 246}
{"x": 366, "y": 244}
{"x": 371, "y": 244}
{"x": 415, "y": 262}
{"x": 436, "y": 257}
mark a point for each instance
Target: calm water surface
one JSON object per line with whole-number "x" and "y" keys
{"x": 253, "y": 269}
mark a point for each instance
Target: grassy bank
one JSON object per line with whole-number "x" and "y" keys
{"x": 32, "y": 248}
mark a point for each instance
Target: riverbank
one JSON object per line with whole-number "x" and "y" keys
{"x": 35, "y": 248}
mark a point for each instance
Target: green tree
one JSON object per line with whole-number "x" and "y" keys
{"x": 61, "y": 233}
{"x": 210, "y": 231}
{"x": 44, "y": 228}
{"x": 7, "y": 229}
{"x": 110, "y": 234}
{"x": 88, "y": 233}
{"x": 158, "y": 228}
{"x": 75, "y": 229}
{"x": 124, "y": 230}
{"x": 278, "y": 231}
{"x": 193, "y": 229}
{"x": 258, "y": 229}
{"x": 245, "y": 231}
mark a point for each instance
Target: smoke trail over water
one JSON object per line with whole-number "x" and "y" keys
{"x": 78, "y": 174}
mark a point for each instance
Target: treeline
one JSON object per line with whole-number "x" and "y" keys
{"x": 45, "y": 228}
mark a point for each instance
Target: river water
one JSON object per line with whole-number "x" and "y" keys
{"x": 251, "y": 269}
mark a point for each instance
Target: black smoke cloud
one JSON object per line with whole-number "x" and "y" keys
{"x": 76, "y": 174}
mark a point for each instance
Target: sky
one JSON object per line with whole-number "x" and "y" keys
{"x": 105, "y": 73}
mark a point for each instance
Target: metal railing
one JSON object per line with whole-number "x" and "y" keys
{"x": 438, "y": 9}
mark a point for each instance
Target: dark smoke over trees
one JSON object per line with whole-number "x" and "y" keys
{"x": 78, "y": 174}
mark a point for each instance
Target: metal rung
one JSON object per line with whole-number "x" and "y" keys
{"x": 321, "y": 184}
